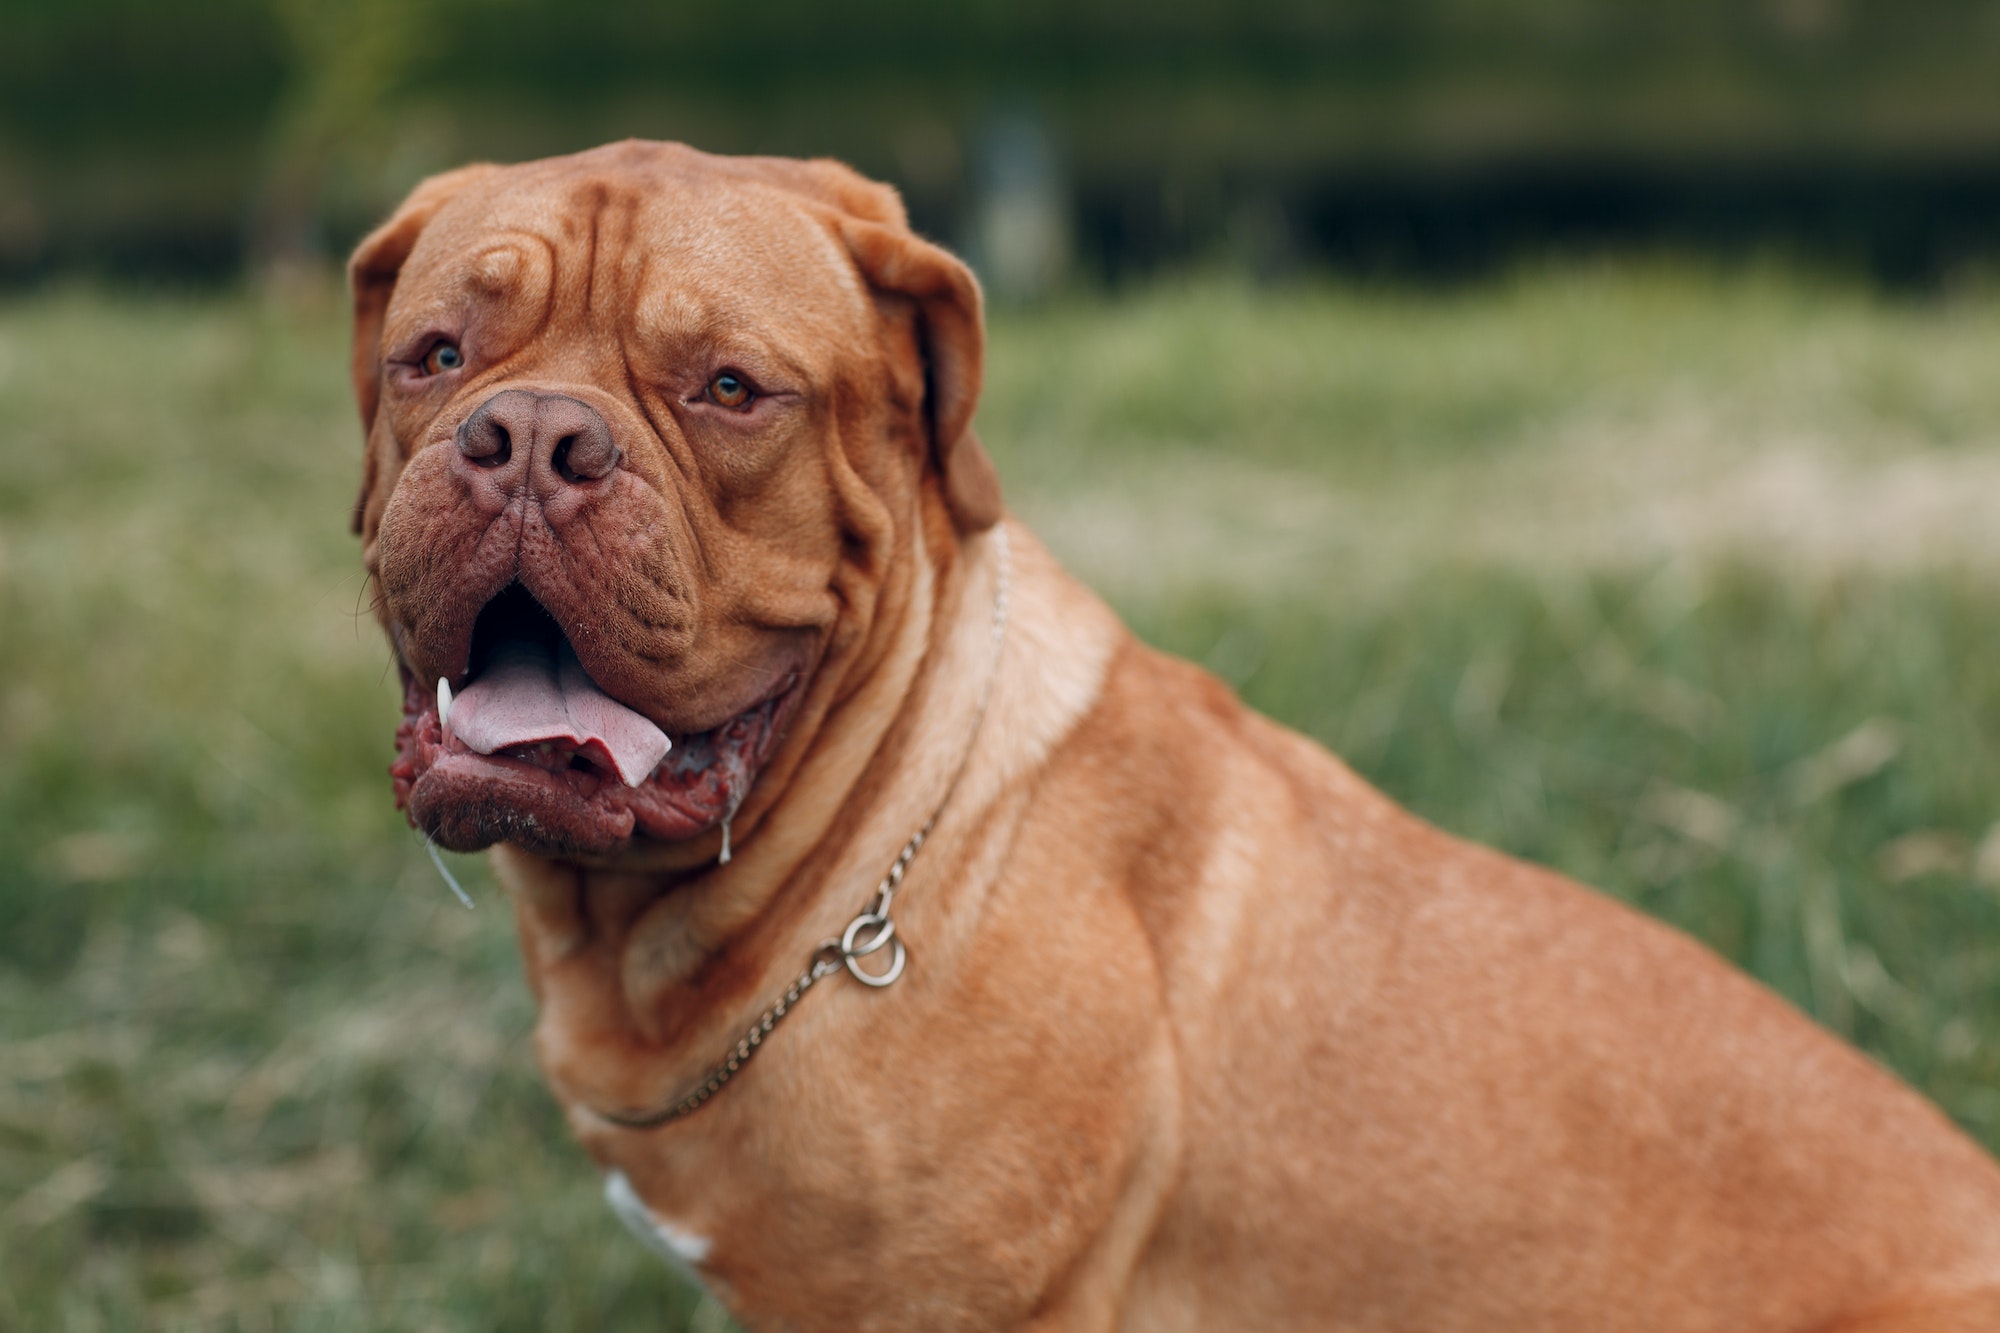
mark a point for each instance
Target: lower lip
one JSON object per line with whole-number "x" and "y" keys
{"x": 435, "y": 770}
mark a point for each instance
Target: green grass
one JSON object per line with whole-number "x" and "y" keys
{"x": 1682, "y": 582}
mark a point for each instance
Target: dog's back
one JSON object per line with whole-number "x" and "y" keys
{"x": 1428, "y": 1086}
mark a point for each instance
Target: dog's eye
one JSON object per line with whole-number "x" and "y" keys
{"x": 729, "y": 389}
{"x": 442, "y": 357}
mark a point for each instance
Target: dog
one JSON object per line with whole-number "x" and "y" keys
{"x": 914, "y": 948}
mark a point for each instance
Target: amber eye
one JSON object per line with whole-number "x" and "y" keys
{"x": 729, "y": 389}
{"x": 442, "y": 357}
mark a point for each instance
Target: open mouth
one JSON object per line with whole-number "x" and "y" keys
{"x": 532, "y": 751}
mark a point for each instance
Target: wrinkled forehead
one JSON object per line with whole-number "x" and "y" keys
{"x": 652, "y": 254}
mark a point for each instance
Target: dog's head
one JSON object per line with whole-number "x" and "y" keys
{"x": 648, "y": 431}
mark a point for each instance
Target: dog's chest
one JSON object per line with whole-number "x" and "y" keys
{"x": 684, "y": 1250}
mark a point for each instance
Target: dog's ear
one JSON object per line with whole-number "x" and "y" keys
{"x": 371, "y": 276}
{"x": 952, "y": 334}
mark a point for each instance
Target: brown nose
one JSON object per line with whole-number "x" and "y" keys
{"x": 541, "y": 440}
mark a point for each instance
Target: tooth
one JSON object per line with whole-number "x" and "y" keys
{"x": 444, "y": 702}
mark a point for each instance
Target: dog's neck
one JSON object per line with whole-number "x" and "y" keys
{"x": 668, "y": 963}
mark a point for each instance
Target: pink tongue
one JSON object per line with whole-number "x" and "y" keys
{"x": 534, "y": 692}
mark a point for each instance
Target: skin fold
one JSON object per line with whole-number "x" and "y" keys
{"x": 1198, "y": 1030}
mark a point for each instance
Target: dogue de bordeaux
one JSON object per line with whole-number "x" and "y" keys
{"x": 711, "y": 622}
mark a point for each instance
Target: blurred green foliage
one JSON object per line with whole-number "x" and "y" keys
{"x": 1679, "y": 581}
{"x": 174, "y": 135}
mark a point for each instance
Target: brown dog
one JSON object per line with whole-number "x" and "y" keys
{"x": 670, "y": 477}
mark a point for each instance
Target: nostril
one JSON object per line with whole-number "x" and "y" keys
{"x": 559, "y": 460}
{"x": 484, "y": 440}
{"x": 488, "y": 445}
{"x": 587, "y": 454}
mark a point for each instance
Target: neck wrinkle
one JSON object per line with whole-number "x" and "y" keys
{"x": 871, "y": 778}
{"x": 697, "y": 963}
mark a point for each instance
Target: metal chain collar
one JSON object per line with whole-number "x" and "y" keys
{"x": 868, "y": 933}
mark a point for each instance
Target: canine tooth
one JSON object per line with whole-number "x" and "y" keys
{"x": 444, "y": 702}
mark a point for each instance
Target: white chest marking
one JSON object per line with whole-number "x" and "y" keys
{"x": 682, "y": 1249}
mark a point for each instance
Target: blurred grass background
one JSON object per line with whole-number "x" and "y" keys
{"x": 1678, "y": 579}
{"x": 1421, "y": 137}
{"x": 1579, "y": 414}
